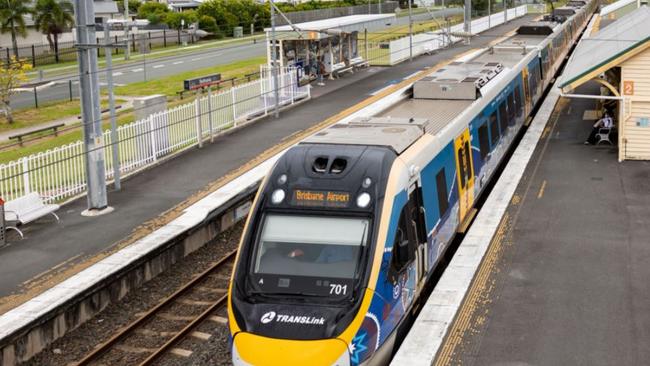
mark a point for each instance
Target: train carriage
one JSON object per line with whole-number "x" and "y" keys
{"x": 349, "y": 225}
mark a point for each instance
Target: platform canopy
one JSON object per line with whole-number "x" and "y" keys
{"x": 611, "y": 46}
{"x": 320, "y": 28}
{"x": 620, "y": 4}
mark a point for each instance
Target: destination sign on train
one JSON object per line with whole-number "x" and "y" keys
{"x": 303, "y": 197}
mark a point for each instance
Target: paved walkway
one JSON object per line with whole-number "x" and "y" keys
{"x": 51, "y": 252}
{"x": 568, "y": 274}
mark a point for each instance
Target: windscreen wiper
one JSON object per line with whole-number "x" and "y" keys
{"x": 273, "y": 294}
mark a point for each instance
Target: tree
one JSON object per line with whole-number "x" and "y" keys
{"x": 52, "y": 18}
{"x": 12, "y": 19}
{"x": 154, "y": 12}
{"x": 12, "y": 75}
{"x": 207, "y": 23}
{"x": 134, "y": 5}
{"x": 174, "y": 20}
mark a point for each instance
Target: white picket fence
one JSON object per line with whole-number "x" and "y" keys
{"x": 431, "y": 41}
{"x": 60, "y": 173}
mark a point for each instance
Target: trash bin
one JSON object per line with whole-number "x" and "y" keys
{"x": 238, "y": 32}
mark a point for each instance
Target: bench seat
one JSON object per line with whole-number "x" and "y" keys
{"x": 26, "y": 209}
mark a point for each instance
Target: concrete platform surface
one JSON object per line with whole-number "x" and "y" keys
{"x": 52, "y": 252}
{"x": 565, "y": 280}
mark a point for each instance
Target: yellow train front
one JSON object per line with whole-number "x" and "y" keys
{"x": 300, "y": 291}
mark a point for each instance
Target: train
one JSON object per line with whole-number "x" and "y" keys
{"x": 350, "y": 223}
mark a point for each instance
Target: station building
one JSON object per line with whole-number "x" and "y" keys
{"x": 618, "y": 57}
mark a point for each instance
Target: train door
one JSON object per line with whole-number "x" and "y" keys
{"x": 465, "y": 173}
{"x": 418, "y": 225}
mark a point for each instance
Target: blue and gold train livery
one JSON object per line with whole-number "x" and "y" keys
{"x": 349, "y": 224}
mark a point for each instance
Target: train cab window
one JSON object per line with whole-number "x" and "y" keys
{"x": 295, "y": 252}
{"x": 512, "y": 109}
{"x": 484, "y": 141}
{"x": 443, "y": 195}
{"x": 494, "y": 129}
{"x": 503, "y": 117}
{"x": 518, "y": 102}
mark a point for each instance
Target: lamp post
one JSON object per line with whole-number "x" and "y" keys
{"x": 274, "y": 73}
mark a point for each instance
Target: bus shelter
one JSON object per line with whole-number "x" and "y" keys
{"x": 322, "y": 47}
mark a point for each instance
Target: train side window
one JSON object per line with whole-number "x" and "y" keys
{"x": 417, "y": 215}
{"x": 512, "y": 109}
{"x": 443, "y": 195}
{"x": 462, "y": 168}
{"x": 518, "y": 102}
{"x": 402, "y": 253}
{"x": 494, "y": 129}
{"x": 503, "y": 117}
{"x": 484, "y": 140}
{"x": 467, "y": 150}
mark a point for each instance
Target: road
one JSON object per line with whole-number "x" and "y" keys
{"x": 67, "y": 85}
{"x": 145, "y": 70}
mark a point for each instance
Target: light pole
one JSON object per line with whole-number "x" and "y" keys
{"x": 90, "y": 111}
{"x": 111, "y": 105}
{"x": 410, "y": 32}
{"x": 127, "y": 50}
{"x": 274, "y": 74}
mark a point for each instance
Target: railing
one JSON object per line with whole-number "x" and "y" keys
{"x": 398, "y": 50}
{"x": 59, "y": 173}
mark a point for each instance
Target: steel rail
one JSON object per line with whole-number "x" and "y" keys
{"x": 188, "y": 328}
{"x": 124, "y": 332}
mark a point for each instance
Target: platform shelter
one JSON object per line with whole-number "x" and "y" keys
{"x": 324, "y": 46}
{"x": 618, "y": 58}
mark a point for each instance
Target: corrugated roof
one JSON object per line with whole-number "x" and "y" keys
{"x": 605, "y": 10}
{"x": 595, "y": 53}
{"x": 333, "y": 23}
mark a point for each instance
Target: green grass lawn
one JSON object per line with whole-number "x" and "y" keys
{"x": 45, "y": 113}
{"x": 170, "y": 85}
{"x": 63, "y": 139}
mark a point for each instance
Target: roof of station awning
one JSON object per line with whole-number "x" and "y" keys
{"x": 606, "y": 10}
{"x": 612, "y": 45}
{"x": 347, "y": 24}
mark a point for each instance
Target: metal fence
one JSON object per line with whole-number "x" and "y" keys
{"x": 398, "y": 50}
{"x": 59, "y": 173}
{"x": 386, "y": 7}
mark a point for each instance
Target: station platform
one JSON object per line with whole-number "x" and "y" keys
{"x": 564, "y": 279}
{"x": 52, "y": 252}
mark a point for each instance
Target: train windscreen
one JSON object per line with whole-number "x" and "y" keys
{"x": 315, "y": 255}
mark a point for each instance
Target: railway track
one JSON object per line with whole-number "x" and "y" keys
{"x": 156, "y": 333}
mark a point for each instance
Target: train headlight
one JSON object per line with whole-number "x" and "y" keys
{"x": 277, "y": 196}
{"x": 366, "y": 182}
{"x": 363, "y": 200}
{"x": 282, "y": 179}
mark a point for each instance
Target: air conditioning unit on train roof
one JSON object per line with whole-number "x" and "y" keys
{"x": 457, "y": 81}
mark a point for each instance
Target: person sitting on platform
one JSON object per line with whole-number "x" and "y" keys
{"x": 605, "y": 122}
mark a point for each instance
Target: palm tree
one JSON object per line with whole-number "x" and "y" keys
{"x": 52, "y": 18}
{"x": 12, "y": 19}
